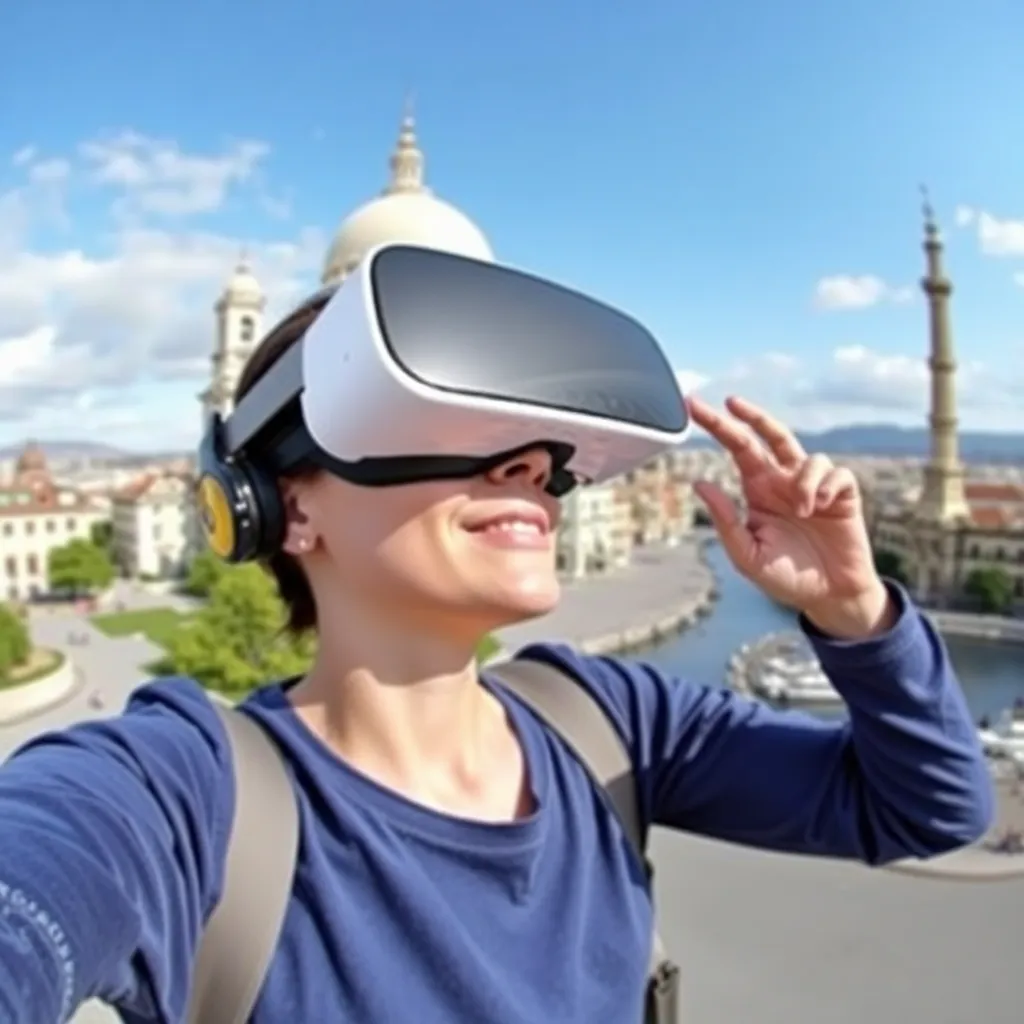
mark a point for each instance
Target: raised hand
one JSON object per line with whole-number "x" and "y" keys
{"x": 804, "y": 541}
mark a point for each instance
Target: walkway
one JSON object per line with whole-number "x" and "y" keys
{"x": 112, "y": 667}
{"x": 659, "y": 581}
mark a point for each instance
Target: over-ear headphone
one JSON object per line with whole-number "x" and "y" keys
{"x": 240, "y": 506}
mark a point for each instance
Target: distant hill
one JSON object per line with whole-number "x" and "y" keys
{"x": 904, "y": 442}
{"x": 864, "y": 439}
{"x": 62, "y": 451}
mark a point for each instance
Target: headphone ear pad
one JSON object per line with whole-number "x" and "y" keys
{"x": 271, "y": 520}
{"x": 222, "y": 513}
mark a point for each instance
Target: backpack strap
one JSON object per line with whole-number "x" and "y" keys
{"x": 562, "y": 701}
{"x": 242, "y": 932}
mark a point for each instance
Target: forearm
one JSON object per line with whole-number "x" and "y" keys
{"x": 925, "y": 781}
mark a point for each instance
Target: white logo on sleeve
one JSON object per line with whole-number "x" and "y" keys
{"x": 32, "y": 931}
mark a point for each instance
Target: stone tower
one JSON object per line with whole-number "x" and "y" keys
{"x": 942, "y": 495}
{"x": 239, "y": 328}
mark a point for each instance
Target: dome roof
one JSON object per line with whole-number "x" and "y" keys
{"x": 32, "y": 459}
{"x": 406, "y": 211}
{"x": 242, "y": 287}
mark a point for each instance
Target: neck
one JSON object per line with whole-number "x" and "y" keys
{"x": 395, "y": 702}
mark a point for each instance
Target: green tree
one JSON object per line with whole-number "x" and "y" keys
{"x": 80, "y": 567}
{"x": 102, "y": 535}
{"x": 15, "y": 645}
{"x": 888, "y": 563}
{"x": 204, "y": 574}
{"x": 236, "y": 642}
{"x": 993, "y": 589}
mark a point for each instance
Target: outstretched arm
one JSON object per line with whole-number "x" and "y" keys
{"x": 905, "y": 776}
{"x": 111, "y": 853}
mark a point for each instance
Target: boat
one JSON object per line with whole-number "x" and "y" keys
{"x": 1005, "y": 737}
{"x": 794, "y": 680}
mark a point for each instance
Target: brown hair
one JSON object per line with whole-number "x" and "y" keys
{"x": 292, "y": 584}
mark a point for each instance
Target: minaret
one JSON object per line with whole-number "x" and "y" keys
{"x": 942, "y": 497}
{"x": 239, "y": 328}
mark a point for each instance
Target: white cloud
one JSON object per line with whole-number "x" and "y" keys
{"x": 996, "y": 236}
{"x": 859, "y": 384}
{"x": 23, "y": 156}
{"x": 965, "y": 216}
{"x": 85, "y": 325}
{"x": 691, "y": 380}
{"x": 849, "y": 291}
{"x": 155, "y": 176}
{"x": 53, "y": 171}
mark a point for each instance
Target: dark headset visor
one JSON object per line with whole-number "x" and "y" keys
{"x": 478, "y": 329}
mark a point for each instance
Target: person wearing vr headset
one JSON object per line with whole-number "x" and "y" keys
{"x": 395, "y": 459}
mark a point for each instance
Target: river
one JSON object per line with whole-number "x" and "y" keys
{"x": 992, "y": 674}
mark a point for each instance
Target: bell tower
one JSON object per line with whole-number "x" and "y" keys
{"x": 239, "y": 313}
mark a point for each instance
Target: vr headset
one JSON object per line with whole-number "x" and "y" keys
{"x": 424, "y": 365}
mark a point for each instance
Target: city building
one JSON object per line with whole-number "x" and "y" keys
{"x": 595, "y": 531}
{"x": 37, "y": 515}
{"x": 955, "y": 525}
{"x": 239, "y": 313}
{"x": 154, "y": 526}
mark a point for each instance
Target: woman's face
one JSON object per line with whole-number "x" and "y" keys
{"x": 479, "y": 553}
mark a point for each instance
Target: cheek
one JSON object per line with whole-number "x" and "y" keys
{"x": 384, "y": 544}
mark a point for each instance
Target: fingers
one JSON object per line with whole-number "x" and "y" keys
{"x": 819, "y": 485}
{"x": 736, "y": 538}
{"x": 781, "y": 442}
{"x": 736, "y": 438}
{"x": 838, "y": 486}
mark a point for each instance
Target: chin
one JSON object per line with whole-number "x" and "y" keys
{"x": 524, "y": 600}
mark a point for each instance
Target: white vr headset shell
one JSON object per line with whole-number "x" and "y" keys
{"x": 360, "y": 402}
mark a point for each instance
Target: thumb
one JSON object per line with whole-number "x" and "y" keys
{"x": 737, "y": 540}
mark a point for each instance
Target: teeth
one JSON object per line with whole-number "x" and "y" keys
{"x": 515, "y": 526}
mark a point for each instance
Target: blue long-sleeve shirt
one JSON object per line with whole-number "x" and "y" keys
{"x": 113, "y": 837}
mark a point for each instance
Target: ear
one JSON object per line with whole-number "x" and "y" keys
{"x": 299, "y": 536}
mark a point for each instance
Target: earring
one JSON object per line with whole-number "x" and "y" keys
{"x": 303, "y": 544}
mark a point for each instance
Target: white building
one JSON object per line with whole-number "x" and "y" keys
{"x": 405, "y": 211}
{"x": 154, "y": 526}
{"x": 36, "y": 516}
{"x": 239, "y": 313}
{"x": 593, "y": 535}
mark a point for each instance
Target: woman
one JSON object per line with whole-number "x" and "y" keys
{"x": 456, "y": 862}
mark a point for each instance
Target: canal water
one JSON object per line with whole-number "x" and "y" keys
{"x": 992, "y": 674}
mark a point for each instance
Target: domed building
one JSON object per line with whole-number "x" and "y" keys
{"x": 406, "y": 210}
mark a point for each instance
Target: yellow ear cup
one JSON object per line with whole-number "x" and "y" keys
{"x": 215, "y": 513}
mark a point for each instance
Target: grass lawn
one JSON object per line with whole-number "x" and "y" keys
{"x": 157, "y": 624}
{"x": 41, "y": 662}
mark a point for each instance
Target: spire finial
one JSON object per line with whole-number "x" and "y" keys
{"x": 930, "y": 227}
{"x": 407, "y": 159}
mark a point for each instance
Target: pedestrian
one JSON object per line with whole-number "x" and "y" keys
{"x": 456, "y": 861}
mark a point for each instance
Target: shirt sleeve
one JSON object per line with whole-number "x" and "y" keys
{"x": 903, "y": 776}
{"x": 111, "y": 857}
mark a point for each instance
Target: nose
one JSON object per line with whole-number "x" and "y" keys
{"x": 533, "y": 467}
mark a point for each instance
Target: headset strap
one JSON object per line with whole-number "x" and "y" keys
{"x": 242, "y": 932}
{"x": 584, "y": 725}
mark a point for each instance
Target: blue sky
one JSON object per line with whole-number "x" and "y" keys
{"x": 705, "y": 166}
